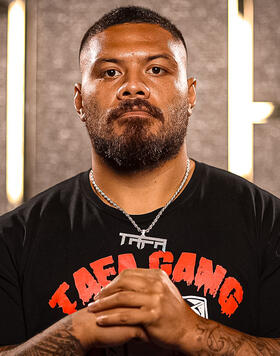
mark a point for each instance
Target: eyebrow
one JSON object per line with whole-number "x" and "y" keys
{"x": 156, "y": 56}
{"x": 148, "y": 59}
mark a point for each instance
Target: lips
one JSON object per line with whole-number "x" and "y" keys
{"x": 136, "y": 113}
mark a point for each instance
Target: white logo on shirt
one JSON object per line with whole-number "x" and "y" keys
{"x": 198, "y": 305}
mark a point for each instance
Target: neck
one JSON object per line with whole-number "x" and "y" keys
{"x": 141, "y": 192}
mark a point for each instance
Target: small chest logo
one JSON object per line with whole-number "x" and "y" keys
{"x": 198, "y": 305}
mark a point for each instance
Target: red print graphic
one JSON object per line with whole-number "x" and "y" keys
{"x": 60, "y": 298}
{"x": 212, "y": 279}
{"x": 126, "y": 261}
{"x": 167, "y": 257}
{"x": 86, "y": 284}
{"x": 184, "y": 269}
{"x": 231, "y": 295}
{"x": 207, "y": 278}
{"x": 102, "y": 273}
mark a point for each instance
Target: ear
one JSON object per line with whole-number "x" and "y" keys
{"x": 78, "y": 102}
{"x": 191, "y": 93}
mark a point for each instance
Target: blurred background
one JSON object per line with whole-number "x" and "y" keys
{"x": 233, "y": 52}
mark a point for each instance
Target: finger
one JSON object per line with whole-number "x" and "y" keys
{"x": 120, "y": 299}
{"x": 139, "y": 334}
{"x": 117, "y": 335}
{"x": 124, "y": 316}
{"x": 124, "y": 282}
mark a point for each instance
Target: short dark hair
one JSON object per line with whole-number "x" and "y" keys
{"x": 131, "y": 14}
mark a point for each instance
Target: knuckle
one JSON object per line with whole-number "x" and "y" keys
{"x": 121, "y": 284}
{"x": 128, "y": 296}
{"x": 155, "y": 314}
{"x": 158, "y": 271}
{"x": 126, "y": 272}
{"x": 122, "y": 296}
{"x": 123, "y": 318}
{"x": 125, "y": 278}
{"x": 158, "y": 298}
{"x": 137, "y": 333}
{"x": 158, "y": 286}
{"x": 119, "y": 297}
{"x": 100, "y": 303}
{"x": 163, "y": 274}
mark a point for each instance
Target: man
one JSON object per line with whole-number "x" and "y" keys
{"x": 148, "y": 252}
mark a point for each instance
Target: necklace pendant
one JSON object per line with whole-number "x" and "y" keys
{"x": 142, "y": 240}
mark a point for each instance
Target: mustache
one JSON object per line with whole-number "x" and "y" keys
{"x": 128, "y": 105}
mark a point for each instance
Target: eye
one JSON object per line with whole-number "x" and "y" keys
{"x": 111, "y": 73}
{"x": 156, "y": 70}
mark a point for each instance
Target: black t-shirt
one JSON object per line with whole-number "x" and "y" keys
{"x": 222, "y": 252}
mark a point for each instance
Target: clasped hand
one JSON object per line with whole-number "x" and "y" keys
{"x": 146, "y": 298}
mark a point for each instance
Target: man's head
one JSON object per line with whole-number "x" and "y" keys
{"x": 134, "y": 97}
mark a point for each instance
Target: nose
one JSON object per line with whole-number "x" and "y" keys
{"x": 133, "y": 88}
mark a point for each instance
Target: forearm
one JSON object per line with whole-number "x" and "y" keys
{"x": 59, "y": 339}
{"x": 212, "y": 338}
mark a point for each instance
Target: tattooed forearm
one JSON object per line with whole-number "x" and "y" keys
{"x": 9, "y": 347}
{"x": 216, "y": 339}
{"x": 53, "y": 341}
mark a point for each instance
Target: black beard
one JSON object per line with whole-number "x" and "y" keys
{"x": 136, "y": 149}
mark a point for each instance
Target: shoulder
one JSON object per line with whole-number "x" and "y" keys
{"x": 52, "y": 200}
{"x": 233, "y": 184}
{"x": 42, "y": 216}
{"x": 237, "y": 196}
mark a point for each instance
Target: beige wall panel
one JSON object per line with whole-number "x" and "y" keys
{"x": 3, "y": 67}
{"x": 267, "y": 88}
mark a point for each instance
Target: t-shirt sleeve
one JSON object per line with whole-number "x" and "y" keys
{"x": 269, "y": 289}
{"x": 12, "y": 326}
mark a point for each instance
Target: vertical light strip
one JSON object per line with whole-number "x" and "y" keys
{"x": 243, "y": 112}
{"x": 15, "y": 102}
{"x": 240, "y": 89}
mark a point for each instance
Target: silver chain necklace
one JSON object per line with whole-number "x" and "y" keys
{"x": 142, "y": 240}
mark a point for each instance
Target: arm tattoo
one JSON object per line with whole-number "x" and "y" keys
{"x": 217, "y": 339}
{"x": 59, "y": 342}
{"x": 9, "y": 347}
